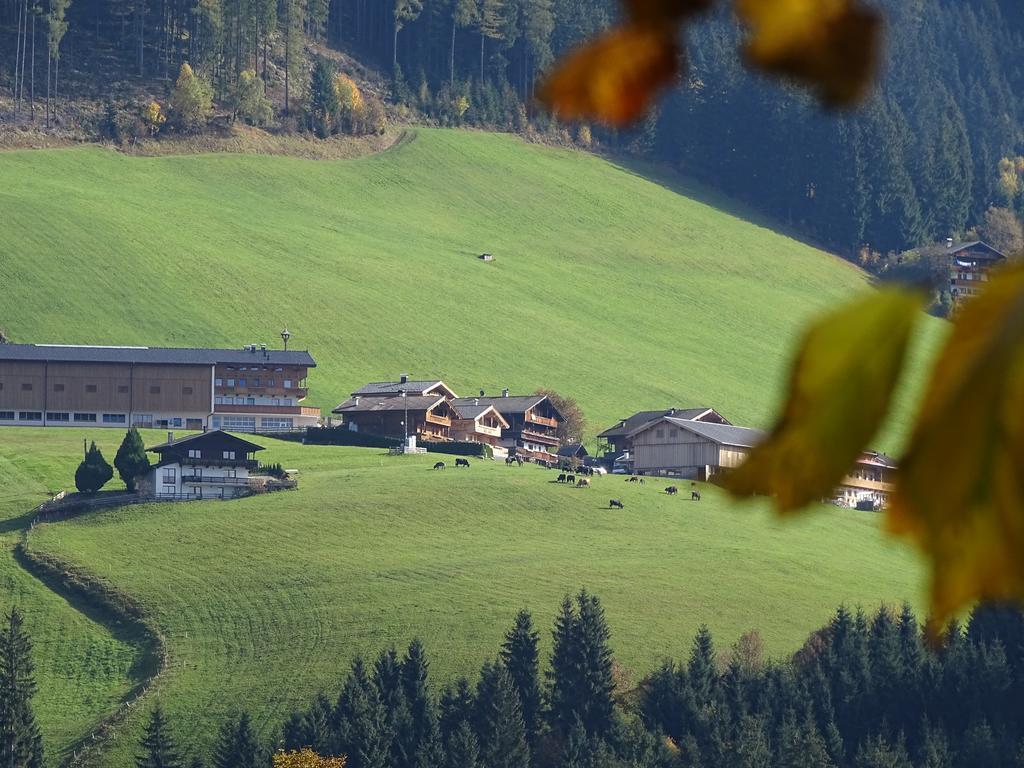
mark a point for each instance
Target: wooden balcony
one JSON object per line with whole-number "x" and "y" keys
{"x": 212, "y": 461}
{"x": 483, "y": 429}
{"x": 539, "y": 437}
{"x": 866, "y": 485}
{"x": 214, "y": 480}
{"x": 542, "y": 420}
{"x": 268, "y": 410}
{"x": 299, "y": 393}
{"x": 433, "y": 418}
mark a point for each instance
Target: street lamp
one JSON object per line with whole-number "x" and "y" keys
{"x": 405, "y": 422}
{"x": 285, "y": 336}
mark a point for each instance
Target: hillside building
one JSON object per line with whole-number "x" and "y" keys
{"x": 969, "y": 267}
{"x": 615, "y": 441}
{"x": 253, "y": 389}
{"x": 421, "y": 409}
{"x": 697, "y": 450}
{"x": 213, "y": 465}
{"x": 869, "y": 484}
{"x": 533, "y": 420}
{"x": 480, "y": 423}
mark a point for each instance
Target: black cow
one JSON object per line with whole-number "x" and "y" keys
{"x": 615, "y": 504}
{"x": 570, "y": 479}
{"x": 583, "y": 483}
{"x": 671, "y": 490}
{"x": 560, "y": 478}
{"x": 462, "y": 462}
{"x": 439, "y": 465}
{"x": 509, "y": 460}
{"x": 694, "y": 495}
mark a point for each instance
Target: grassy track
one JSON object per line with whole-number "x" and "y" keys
{"x": 607, "y": 285}
{"x": 265, "y": 600}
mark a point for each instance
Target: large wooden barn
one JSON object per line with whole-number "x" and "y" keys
{"x": 690, "y": 449}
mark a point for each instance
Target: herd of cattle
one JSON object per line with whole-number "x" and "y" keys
{"x": 571, "y": 479}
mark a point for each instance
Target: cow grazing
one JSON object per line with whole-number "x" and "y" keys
{"x": 633, "y": 479}
{"x": 570, "y": 479}
{"x": 615, "y": 504}
{"x": 583, "y": 483}
{"x": 439, "y": 465}
{"x": 694, "y": 495}
{"x": 560, "y": 478}
{"x": 509, "y": 460}
{"x": 671, "y": 490}
{"x": 462, "y": 462}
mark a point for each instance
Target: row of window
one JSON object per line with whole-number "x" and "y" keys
{"x": 229, "y": 400}
{"x": 82, "y": 418}
{"x": 236, "y": 423}
{"x": 122, "y": 389}
{"x": 250, "y": 382}
{"x": 253, "y": 368}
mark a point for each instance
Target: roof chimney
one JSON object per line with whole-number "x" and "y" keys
{"x": 476, "y": 401}
{"x": 949, "y": 242}
{"x": 356, "y": 398}
{"x": 504, "y": 392}
{"x": 671, "y": 411}
{"x": 403, "y": 378}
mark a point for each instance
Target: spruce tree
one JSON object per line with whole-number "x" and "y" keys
{"x": 421, "y": 737}
{"x": 519, "y": 654}
{"x": 323, "y": 99}
{"x": 159, "y": 749}
{"x": 362, "y": 721}
{"x": 876, "y": 752}
{"x": 317, "y": 726}
{"x": 237, "y": 746}
{"x": 598, "y": 683}
{"x": 499, "y": 720}
{"x": 94, "y": 472}
{"x": 565, "y": 672}
{"x": 463, "y": 749}
{"x": 131, "y": 460}
{"x": 21, "y": 745}
{"x": 456, "y": 707}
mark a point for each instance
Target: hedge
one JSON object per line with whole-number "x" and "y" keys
{"x": 481, "y": 450}
{"x": 345, "y": 436}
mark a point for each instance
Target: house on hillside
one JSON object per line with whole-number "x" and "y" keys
{"x": 697, "y": 450}
{"x": 211, "y": 465}
{"x": 401, "y": 409}
{"x": 969, "y": 267}
{"x": 533, "y": 420}
{"x": 869, "y": 484}
{"x": 252, "y": 389}
{"x": 480, "y": 423}
{"x": 615, "y": 441}
{"x": 572, "y": 454}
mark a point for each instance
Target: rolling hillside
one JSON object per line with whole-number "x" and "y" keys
{"x": 621, "y": 288}
{"x": 607, "y": 285}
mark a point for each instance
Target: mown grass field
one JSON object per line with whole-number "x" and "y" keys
{"x": 265, "y": 600}
{"x": 623, "y": 289}
{"x": 607, "y": 285}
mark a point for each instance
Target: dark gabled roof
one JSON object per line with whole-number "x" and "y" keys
{"x": 570, "y": 450}
{"x": 942, "y": 250}
{"x": 474, "y": 412}
{"x": 723, "y": 434}
{"x": 378, "y": 404}
{"x": 874, "y": 457}
{"x": 64, "y": 353}
{"x": 216, "y": 435}
{"x": 957, "y": 247}
{"x": 506, "y": 405}
{"x": 637, "y": 420}
{"x": 397, "y": 387}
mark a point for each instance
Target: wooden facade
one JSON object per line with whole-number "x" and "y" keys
{"x": 533, "y": 421}
{"x": 615, "y": 441}
{"x": 685, "y": 448}
{"x": 969, "y": 268}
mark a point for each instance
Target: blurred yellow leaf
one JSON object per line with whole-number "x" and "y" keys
{"x": 830, "y": 44}
{"x": 614, "y": 78}
{"x": 840, "y": 389}
{"x": 960, "y": 490}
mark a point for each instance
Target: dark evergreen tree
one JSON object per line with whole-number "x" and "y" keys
{"x": 463, "y": 750}
{"x": 94, "y": 472}
{"x": 519, "y": 654}
{"x": 323, "y": 106}
{"x": 876, "y": 752}
{"x": 21, "y": 745}
{"x": 564, "y": 676}
{"x": 131, "y": 460}
{"x": 456, "y": 707}
{"x": 597, "y": 673}
{"x": 362, "y": 726}
{"x": 318, "y": 731}
{"x": 159, "y": 749}
{"x": 421, "y": 736}
{"x": 237, "y": 746}
{"x": 499, "y": 720}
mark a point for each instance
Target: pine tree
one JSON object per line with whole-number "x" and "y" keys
{"x": 131, "y": 460}
{"x": 565, "y": 672}
{"x": 21, "y": 745}
{"x": 159, "y": 747}
{"x": 362, "y": 721}
{"x": 323, "y": 99}
{"x": 94, "y": 472}
{"x": 456, "y": 707}
{"x": 499, "y": 720}
{"x": 237, "y": 746}
{"x": 876, "y": 752}
{"x": 421, "y": 737}
{"x": 317, "y": 726}
{"x": 598, "y": 682}
{"x": 463, "y": 749}
{"x": 519, "y": 654}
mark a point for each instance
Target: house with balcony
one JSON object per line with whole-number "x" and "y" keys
{"x": 210, "y": 465}
{"x": 869, "y": 484}
{"x": 400, "y": 409}
{"x": 969, "y": 266}
{"x": 533, "y": 420}
{"x": 480, "y": 423}
{"x": 615, "y": 442}
{"x": 263, "y": 392}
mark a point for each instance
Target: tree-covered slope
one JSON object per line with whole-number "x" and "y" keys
{"x": 607, "y": 285}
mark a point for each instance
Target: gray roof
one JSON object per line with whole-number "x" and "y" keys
{"x": 396, "y": 387}
{"x": 64, "y": 353}
{"x": 723, "y": 434}
{"x": 572, "y": 449}
{"x": 476, "y": 411}
{"x": 218, "y": 434}
{"x": 504, "y": 405}
{"x": 637, "y": 420}
{"x": 376, "y": 404}
{"x": 941, "y": 249}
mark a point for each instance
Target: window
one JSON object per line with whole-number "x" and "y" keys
{"x": 218, "y": 400}
{"x": 58, "y": 416}
{"x": 219, "y": 382}
{"x": 241, "y": 382}
{"x": 170, "y": 475}
{"x": 6, "y": 415}
{"x": 26, "y": 387}
{"x": 276, "y": 423}
{"x": 231, "y": 368}
{"x": 243, "y": 368}
{"x": 30, "y": 416}
{"x": 114, "y": 418}
{"x": 143, "y": 420}
{"x": 90, "y": 388}
{"x": 231, "y": 382}
{"x": 58, "y": 387}
{"x": 216, "y": 422}
{"x": 277, "y": 401}
{"x": 177, "y": 421}
{"x": 255, "y": 382}
{"x": 287, "y": 383}
{"x": 250, "y": 401}
{"x": 287, "y": 401}
{"x": 229, "y": 473}
{"x": 229, "y": 454}
{"x": 122, "y": 389}
{"x": 154, "y": 389}
{"x": 186, "y": 390}
{"x": 239, "y": 423}
{"x": 194, "y": 453}
{"x": 659, "y": 433}
{"x": 168, "y": 490}
{"x": 85, "y": 417}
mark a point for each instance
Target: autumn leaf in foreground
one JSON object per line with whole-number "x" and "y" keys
{"x": 830, "y": 44}
{"x": 960, "y": 490}
{"x": 839, "y": 392}
{"x": 615, "y": 78}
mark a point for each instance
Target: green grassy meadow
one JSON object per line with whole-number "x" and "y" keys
{"x": 264, "y": 601}
{"x": 623, "y": 288}
{"x": 608, "y": 285}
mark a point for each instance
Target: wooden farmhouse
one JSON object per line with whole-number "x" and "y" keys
{"x": 869, "y": 484}
{"x": 533, "y": 420}
{"x": 697, "y": 450}
{"x": 213, "y": 465}
{"x": 397, "y": 409}
{"x": 480, "y": 423}
{"x": 969, "y": 267}
{"x": 616, "y": 440}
